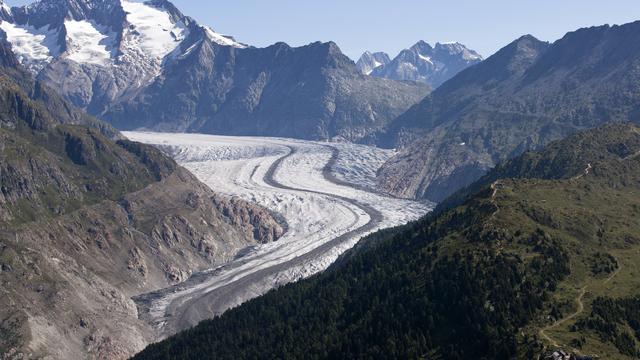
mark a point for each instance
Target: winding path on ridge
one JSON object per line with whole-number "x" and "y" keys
{"x": 579, "y": 310}
{"x": 214, "y": 291}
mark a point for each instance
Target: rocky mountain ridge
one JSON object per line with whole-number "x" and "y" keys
{"x": 310, "y": 92}
{"x": 523, "y": 97}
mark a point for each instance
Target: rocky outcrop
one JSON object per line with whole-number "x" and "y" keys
{"x": 254, "y": 222}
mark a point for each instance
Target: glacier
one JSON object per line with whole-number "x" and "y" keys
{"x": 327, "y": 208}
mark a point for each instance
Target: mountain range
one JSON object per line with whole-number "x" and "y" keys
{"x": 523, "y": 97}
{"x": 146, "y": 65}
{"x": 421, "y": 62}
{"x": 536, "y": 253}
{"x": 312, "y": 92}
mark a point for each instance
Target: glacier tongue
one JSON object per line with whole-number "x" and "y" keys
{"x": 326, "y": 211}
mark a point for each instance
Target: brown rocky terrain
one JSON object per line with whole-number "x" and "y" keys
{"x": 87, "y": 222}
{"x": 68, "y": 280}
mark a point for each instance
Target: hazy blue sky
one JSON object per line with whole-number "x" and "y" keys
{"x": 393, "y": 25}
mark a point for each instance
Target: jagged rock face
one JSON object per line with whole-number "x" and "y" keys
{"x": 311, "y": 92}
{"x": 53, "y": 13}
{"x": 5, "y": 11}
{"x": 424, "y": 63}
{"x": 146, "y": 65}
{"x": 7, "y": 59}
{"x": 525, "y": 96}
{"x": 87, "y": 222}
{"x": 370, "y": 61}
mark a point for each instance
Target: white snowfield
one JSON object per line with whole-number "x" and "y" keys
{"x": 320, "y": 189}
{"x": 87, "y": 44}
{"x": 34, "y": 48}
{"x": 152, "y": 31}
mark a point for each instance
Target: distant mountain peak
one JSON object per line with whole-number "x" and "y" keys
{"x": 425, "y": 63}
{"x": 456, "y": 48}
{"x": 370, "y": 61}
{"x": 524, "y": 43}
{"x": 521, "y": 53}
{"x": 421, "y": 47}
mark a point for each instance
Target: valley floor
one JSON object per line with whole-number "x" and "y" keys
{"x": 324, "y": 192}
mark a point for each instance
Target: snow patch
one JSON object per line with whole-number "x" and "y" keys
{"x": 88, "y": 43}
{"x": 221, "y": 39}
{"x": 34, "y": 48}
{"x": 426, "y": 58}
{"x": 151, "y": 30}
{"x": 376, "y": 64}
{"x": 470, "y": 56}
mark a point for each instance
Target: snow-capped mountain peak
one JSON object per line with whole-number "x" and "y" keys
{"x": 123, "y": 44}
{"x": 425, "y": 63}
{"x": 99, "y": 31}
{"x": 456, "y": 48}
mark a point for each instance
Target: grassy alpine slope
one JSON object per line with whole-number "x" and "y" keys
{"x": 540, "y": 255}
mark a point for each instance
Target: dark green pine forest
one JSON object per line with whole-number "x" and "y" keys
{"x": 537, "y": 255}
